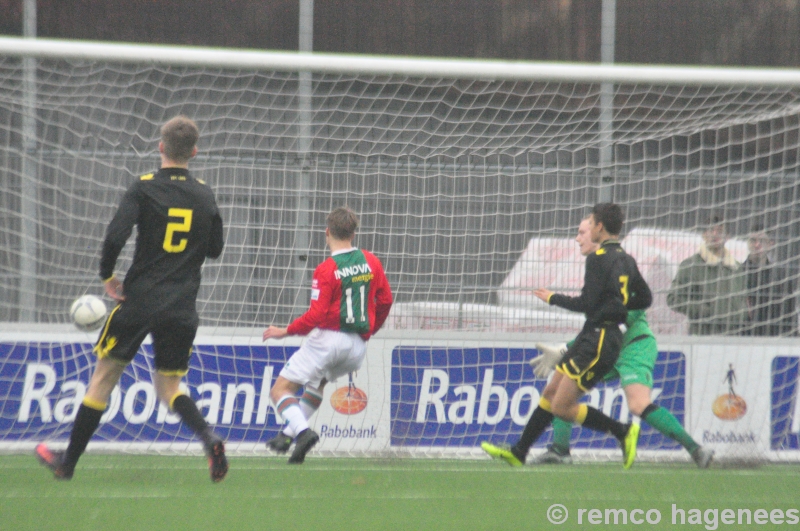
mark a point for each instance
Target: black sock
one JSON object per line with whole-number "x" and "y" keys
{"x": 649, "y": 409}
{"x": 600, "y": 422}
{"x": 187, "y": 409}
{"x": 539, "y": 421}
{"x": 86, "y": 421}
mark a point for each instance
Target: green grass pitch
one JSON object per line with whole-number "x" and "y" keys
{"x": 127, "y": 492}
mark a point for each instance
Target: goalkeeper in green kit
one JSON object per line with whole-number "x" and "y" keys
{"x": 634, "y": 368}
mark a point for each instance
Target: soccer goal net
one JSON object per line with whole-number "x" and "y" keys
{"x": 470, "y": 179}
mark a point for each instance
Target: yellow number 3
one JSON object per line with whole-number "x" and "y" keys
{"x": 174, "y": 226}
{"x": 623, "y": 281}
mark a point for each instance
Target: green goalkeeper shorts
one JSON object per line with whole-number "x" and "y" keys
{"x": 635, "y": 363}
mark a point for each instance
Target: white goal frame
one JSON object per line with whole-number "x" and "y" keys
{"x": 422, "y": 67}
{"x": 308, "y": 64}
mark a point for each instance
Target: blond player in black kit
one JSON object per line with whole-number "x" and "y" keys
{"x": 178, "y": 227}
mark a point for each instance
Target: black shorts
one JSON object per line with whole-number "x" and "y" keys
{"x": 172, "y": 332}
{"x": 591, "y": 356}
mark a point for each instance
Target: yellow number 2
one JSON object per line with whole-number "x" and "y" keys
{"x": 623, "y": 281}
{"x": 172, "y": 227}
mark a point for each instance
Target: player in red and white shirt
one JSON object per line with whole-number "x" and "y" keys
{"x": 350, "y": 300}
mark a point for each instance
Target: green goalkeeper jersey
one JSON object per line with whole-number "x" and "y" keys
{"x": 637, "y": 326}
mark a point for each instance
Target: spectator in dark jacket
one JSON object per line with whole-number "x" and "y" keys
{"x": 770, "y": 290}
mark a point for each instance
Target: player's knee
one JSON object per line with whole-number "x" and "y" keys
{"x": 102, "y": 384}
{"x": 638, "y": 398}
{"x": 281, "y": 388}
{"x": 275, "y": 395}
{"x": 637, "y": 407}
{"x": 549, "y": 392}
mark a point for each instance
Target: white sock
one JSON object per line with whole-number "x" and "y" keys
{"x": 310, "y": 401}
{"x": 309, "y": 404}
{"x": 289, "y": 409}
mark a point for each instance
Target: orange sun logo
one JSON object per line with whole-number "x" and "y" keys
{"x": 349, "y": 400}
{"x": 729, "y": 407}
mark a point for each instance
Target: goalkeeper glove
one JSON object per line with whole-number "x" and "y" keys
{"x": 543, "y": 364}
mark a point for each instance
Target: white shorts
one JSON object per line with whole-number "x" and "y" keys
{"x": 325, "y": 354}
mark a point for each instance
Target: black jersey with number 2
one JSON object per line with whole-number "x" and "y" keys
{"x": 612, "y": 286}
{"x": 178, "y": 227}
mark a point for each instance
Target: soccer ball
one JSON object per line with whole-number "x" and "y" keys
{"x": 88, "y": 313}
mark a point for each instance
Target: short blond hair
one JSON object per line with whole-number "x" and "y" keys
{"x": 179, "y": 136}
{"x": 342, "y": 223}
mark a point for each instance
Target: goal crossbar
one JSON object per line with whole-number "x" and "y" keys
{"x": 386, "y": 65}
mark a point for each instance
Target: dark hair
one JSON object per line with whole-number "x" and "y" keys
{"x": 610, "y": 215}
{"x": 758, "y": 227}
{"x": 712, "y": 221}
{"x": 179, "y": 136}
{"x": 342, "y": 223}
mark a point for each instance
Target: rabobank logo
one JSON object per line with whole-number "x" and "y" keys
{"x": 785, "y": 403}
{"x": 43, "y": 384}
{"x": 349, "y": 400}
{"x": 459, "y": 397}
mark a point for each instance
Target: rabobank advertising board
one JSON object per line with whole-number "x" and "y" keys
{"x": 42, "y": 384}
{"x": 785, "y": 403}
{"x": 410, "y": 394}
{"x": 458, "y": 397}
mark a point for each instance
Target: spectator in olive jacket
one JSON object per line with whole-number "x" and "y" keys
{"x": 711, "y": 287}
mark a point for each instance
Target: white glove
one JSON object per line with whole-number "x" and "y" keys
{"x": 551, "y": 354}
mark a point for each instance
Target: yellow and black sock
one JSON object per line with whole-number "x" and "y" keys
{"x": 539, "y": 421}
{"x": 595, "y": 420}
{"x": 191, "y": 416}
{"x": 86, "y": 421}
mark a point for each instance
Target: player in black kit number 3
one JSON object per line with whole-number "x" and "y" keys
{"x": 612, "y": 286}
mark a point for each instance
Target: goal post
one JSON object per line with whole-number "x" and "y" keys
{"x": 470, "y": 178}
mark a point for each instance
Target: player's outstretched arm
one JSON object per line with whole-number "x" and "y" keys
{"x": 274, "y": 332}
{"x": 591, "y": 292}
{"x": 322, "y": 294}
{"x": 543, "y": 294}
